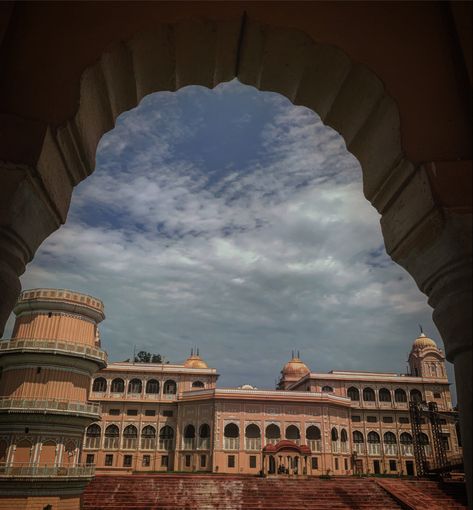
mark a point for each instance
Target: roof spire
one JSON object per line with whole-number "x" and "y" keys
{"x": 192, "y": 351}
{"x": 292, "y": 352}
{"x": 197, "y": 351}
{"x": 298, "y": 354}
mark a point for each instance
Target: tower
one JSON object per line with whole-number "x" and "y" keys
{"x": 292, "y": 371}
{"x": 45, "y": 374}
{"x": 426, "y": 359}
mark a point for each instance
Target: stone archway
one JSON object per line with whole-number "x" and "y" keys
{"x": 428, "y": 238}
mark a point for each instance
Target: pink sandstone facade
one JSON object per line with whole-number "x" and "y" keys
{"x": 64, "y": 412}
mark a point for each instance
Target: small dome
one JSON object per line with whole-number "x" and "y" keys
{"x": 295, "y": 368}
{"x": 247, "y": 387}
{"x": 423, "y": 341}
{"x": 195, "y": 361}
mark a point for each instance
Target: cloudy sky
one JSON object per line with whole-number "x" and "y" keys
{"x": 231, "y": 220}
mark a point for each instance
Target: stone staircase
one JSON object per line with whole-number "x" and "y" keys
{"x": 212, "y": 492}
{"x": 426, "y": 495}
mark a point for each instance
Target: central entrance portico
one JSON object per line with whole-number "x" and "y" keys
{"x": 286, "y": 458}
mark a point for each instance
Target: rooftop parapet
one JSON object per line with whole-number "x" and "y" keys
{"x": 60, "y": 300}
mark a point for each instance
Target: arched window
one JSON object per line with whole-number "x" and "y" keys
{"x": 423, "y": 438}
{"x": 166, "y": 437}
{"x": 148, "y": 431}
{"x": 313, "y": 432}
{"x": 100, "y": 385}
{"x": 343, "y": 436}
{"x": 252, "y": 437}
{"x": 400, "y": 395}
{"x": 112, "y": 439}
{"x": 135, "y": 386}
{"x": 353, "y": 393}
{"x": 314, "y": 438}
{"x": 231, "y": 435}
{"x": 358, "y": 437}
{"x": 272, "y": 434}
{"x": 334, "y": 434}
{"x": 92, "y": 436}
{"x": 130, "y": 436}
{"x": 405, "y": 440}
{"x": 93, "y": 430}
{"x": 148, "y": 438}
{"x": 327, "y": 389}
{"x": 390, "y": 443}
{"x": 204, "y": 430}
{"x": 384, "y": 395}
{"x": 389, "y": 438}
{"x": 373, "y": 437}
{"x": 198, "y": 384}
{"x": 170, "y": 387}
{"x": 204, "y": 436}
{"x": 189, "y": 437}
{"x": 118, "y": 386}
{"x": 293, "y": 434}
{"x": 416, "y": 396}
{"x": 335, "y": 437}
{"x": 152, "y": 386}
{"x": 368, "y": 395}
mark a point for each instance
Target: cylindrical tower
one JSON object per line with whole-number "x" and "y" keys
{"x": 45, "y": 374}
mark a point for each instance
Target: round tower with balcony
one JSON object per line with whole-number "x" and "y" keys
{"x": 45, "y": 374}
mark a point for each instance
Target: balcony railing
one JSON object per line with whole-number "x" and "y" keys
{"x": 46, "y": 345}
{"x": 189, "y": 443}
{"x": 148, "y": 443}
{"x": 315, "y": 445}
{"x": 335, "y": 446}
{"x": 272, "y": 440}
{"x": 231, "y": 443}
{"x": 49, "y": 406}
{"x": 407, "y": 450}
{"x": 359, "y": 448}
{"x": 28, "y": 470}
{"x": 344, "y": 447}
{"x": 252, "y": 443}
{"x": 390, "y": 449}
{"x": 166, "y": 444}
{"x": 203, "y": 443}
{"x": 111, "y": 443}
{"x": 130, "y": 443}
{"x": 92, "y": 442}
{"x": 374, "y": 448}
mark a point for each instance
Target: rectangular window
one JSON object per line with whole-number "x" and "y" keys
{"x": 392, "y": 465}
{"x": 445, "y": 440}
{"x": 127, "y": 460}
{"x": 90, "y": 458}
{"x": 114, "y": 412}
{"x": 203, "y": 460}
{"x": 442, "y": 421}
{"x": 371, "y": 419}
{"x": 315, "y": 463}
{"x": 231, "y": 461}
{"x": 356, "y": 418}
{"x": 252, "y": 461}
{"x": 109, "y": 460}
{"x": 336, "y": 464}
{"x": 167, "y": 412}
{"x": 146, "y": 462}
{"x": 388, "y": 419}
{"x": 403, "y": 419}
{"x": 437, "y": 395}
{"x": 132, "y": 412}
{"x": 150, "y": 412}
{"x": 165, "y": 461}
{"x": 346, "y": 463}
{"x": 188, "y": 461}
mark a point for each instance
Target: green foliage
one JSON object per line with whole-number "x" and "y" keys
{"x": 147, "y": 357}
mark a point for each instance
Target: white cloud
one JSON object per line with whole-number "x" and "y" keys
{"x": 280, "y": 252}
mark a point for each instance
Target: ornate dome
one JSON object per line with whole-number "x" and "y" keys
{"x": 195, "y": 361}
{"x": 423, "y": 341}
{"x": 295, "y": 368}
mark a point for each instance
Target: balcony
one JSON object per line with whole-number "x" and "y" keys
{"x": 253, "y": 443}
{"x": 54, "y": 346}
{"x": 315, "y": 445}
{"x": 390, "y": 449}
{"x": 231, "y": 443}
{"x": 27, "y": 470}
{"x": 50, "y": 406}
{"x": 359, "y": 448}
{"x": 374, "y": 448}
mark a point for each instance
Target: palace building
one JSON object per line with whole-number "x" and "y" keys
{"x": 63, "y": 410}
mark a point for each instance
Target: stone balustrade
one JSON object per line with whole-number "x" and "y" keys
{"x": 56, "y": 346}
{"x": 53, "y": 406}
{"x": 28, "y": 470}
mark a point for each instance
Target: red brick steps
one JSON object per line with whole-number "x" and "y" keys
{"x": 174, "y": 492}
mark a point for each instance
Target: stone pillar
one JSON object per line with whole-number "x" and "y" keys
{"x": 426, "y": 222}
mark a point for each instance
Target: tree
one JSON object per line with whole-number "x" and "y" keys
{"x": 147, "y": 357}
